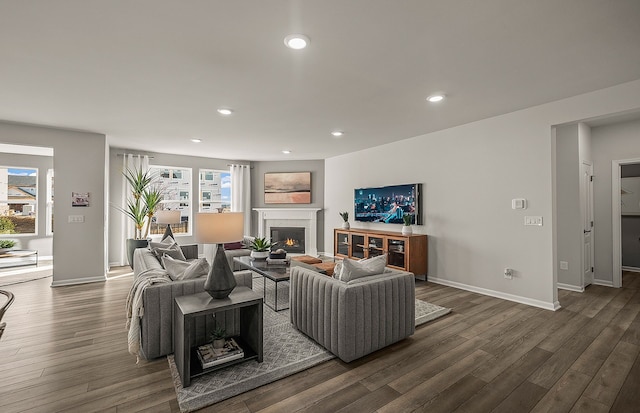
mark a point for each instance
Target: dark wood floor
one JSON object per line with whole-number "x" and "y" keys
{"x": 65, "y": 350}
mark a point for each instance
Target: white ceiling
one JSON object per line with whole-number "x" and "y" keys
{"x": 150, "y": 74}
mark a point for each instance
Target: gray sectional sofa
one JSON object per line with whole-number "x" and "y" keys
{"x": 355, "y": 318}
{"x": 158, "y": 299}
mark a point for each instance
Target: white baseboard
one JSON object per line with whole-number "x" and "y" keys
{"x": 605, "y": 283}
{"x": 571, "y": 287}
{"x": 74, "y": 281}
{"x": 505, "y": 296}
{"x": 631, "y": 269}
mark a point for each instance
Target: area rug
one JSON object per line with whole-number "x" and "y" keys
{"x": 286, "y": 352}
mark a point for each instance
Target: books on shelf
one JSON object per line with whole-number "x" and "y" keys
{"x": 210, "y": 356}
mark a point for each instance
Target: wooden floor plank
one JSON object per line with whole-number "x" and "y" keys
{"x": 65, "y": 350}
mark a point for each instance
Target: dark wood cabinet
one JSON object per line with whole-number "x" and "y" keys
{"x": 405, "y": 252}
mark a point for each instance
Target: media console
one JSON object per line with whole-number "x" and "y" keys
{"x": 405, "y": 252}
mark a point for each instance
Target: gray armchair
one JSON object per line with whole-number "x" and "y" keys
{"x": 355, "y": 318}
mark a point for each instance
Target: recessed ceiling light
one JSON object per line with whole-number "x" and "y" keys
{"x": 224, "y": 111}
{"x": 196, "y": 140}
{"x": 435, "y": 98}
{"x": 337, "y": 133}
{"x": 296, "y": 41}
{"x": 286, "y": 152}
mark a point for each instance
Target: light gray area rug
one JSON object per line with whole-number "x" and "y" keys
{"x": 286, "y": 352}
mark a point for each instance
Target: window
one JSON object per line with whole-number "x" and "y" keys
{"x": 175, "y": 184}
{"x": 50, "y": 202}
{"x": 215, "y": 191}
{"x": 18, "y": 200}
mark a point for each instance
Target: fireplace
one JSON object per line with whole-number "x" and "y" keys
{"x": 289, "y": 238}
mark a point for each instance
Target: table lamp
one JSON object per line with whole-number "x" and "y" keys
{"x": 219, "y": 229}
{"x": 168, "y": 217}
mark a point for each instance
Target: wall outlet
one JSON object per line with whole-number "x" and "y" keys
{"x": 76, "y": 219}
{"x": 564, "y": 265}
{"x": 533, "y": 221}
{"x": 508, "y": 273}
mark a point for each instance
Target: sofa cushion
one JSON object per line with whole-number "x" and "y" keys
{"x": 352, "y": 269}
{"x": 184, "y": 270}
{"x": 167, "y": 246}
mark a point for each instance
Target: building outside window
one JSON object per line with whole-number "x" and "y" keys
{"x": 175, "y": 183}
{"x": 18, "y": 200}
{"x": 215, "y": 191}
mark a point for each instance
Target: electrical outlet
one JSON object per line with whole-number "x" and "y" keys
{"x": 508, "y": 273}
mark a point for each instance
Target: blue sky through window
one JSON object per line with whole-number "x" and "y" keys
{"x": 22, "y": 171}
{"x": 225, "y": 187}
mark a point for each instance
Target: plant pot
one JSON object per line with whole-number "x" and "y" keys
{"x": 406, "y": 230}
{"x": 132, "y": 244}
{"x": 345, "y": 225}
{"x": 259, "y": 255}
{"x": 5, "y": 250}
{"x": 218, "y": 343}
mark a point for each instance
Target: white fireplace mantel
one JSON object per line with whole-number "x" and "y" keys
{"x": 292, "y": 217}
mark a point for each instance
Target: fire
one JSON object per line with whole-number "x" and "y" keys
{"x": 289, "y": 242}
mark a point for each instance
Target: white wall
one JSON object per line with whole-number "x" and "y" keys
{"x": 80, "y": 166}
{"x": 612, "y": 142}
{"x": 470, "y": 174}
{"x": 568, "y": 205}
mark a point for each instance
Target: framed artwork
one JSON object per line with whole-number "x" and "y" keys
{"x": 79, "y": 199}
{"x": 287, "y": 188}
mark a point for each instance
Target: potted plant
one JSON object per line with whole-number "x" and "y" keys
{"x": 345, "y": 218}
{"x": 218, "y": 337}
{"x": 260, "y": 248}
{"x": 406, "y": 226}
{"x": 141, "y": 207}
{"x": 6, "y": 245}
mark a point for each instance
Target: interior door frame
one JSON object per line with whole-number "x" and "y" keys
{"x": 616, "y": 218}
{"x": 586, "y": 215}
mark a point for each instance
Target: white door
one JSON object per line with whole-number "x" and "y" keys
{"x": 587, "y": 223}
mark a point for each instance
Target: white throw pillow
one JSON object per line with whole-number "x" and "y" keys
{"x": 183, "y": 270}
{"x": 167, "y": 247}
{"x": 198, "y": 268}
{"x": 352, "y": 269}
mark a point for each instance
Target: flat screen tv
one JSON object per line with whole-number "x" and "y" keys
{"x": 388, "y": 204}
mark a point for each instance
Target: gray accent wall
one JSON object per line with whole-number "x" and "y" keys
{"x": 470, "y": 174}
{"x": 316, "y": 167}
{"x": 611, "y": 142}
{"x": 80, "y": 166}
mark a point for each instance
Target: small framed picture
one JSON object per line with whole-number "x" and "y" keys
{"x": 79, "y": 199}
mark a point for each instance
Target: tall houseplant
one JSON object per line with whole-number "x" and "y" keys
{"x": 140, "y": 208}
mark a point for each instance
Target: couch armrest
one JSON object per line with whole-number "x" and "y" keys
{"x": 190, "y": 251}
{"x": 352, "y": 320}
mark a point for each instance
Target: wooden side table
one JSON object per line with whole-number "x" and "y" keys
{"x": 189, "y": 306}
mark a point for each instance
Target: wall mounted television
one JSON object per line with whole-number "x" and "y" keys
{"x": 387, "y": 204}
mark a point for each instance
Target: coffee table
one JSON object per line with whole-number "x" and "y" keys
{"x": 274, "y": 272}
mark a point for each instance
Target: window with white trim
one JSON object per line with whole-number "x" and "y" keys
{"x": 50, "y": 202}
{"x": 215, "y": 190}
{"x": 18, "y": 200}
{"x": 175, "y": 184}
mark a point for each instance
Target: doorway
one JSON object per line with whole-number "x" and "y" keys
{"x": 625, "y": 207}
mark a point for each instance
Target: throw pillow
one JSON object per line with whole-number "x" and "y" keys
{"x": 183, "y": 270}
{"x": 352, "y": 269}
{"x": 233, "y": 245}
{"x": 167, "y": 247}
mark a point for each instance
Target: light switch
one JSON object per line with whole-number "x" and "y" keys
{"x": 564, "y": 265}
{"x": 76, "y": 219}
{"x": 535, "y": 220}
{"x": 518, "y": 203}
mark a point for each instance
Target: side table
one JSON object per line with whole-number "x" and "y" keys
{"x": 189, "y": 306}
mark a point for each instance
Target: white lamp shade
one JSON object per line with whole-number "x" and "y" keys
{"x": 167, "y": 216}
{"x": 219, "y": 228}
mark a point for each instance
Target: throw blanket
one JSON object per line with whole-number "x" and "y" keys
{"x": 135, "y": 309}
